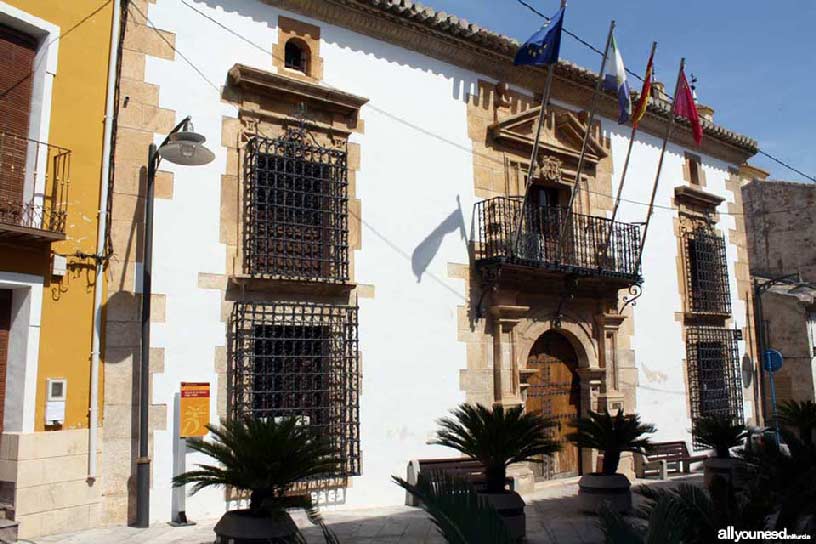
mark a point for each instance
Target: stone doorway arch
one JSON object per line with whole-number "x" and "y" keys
{"x": 554, "y": 390}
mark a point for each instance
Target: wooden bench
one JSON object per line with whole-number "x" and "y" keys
{"x": 464, "y": 467}
{"x": 663, "y": 456}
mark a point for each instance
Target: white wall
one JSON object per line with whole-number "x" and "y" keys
{"x": 416, "y": 191}
{"x": 658, "y": 343}
{"x": 415, "y": 178}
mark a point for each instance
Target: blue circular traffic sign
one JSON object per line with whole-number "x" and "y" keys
{"x": 772, "y": 360}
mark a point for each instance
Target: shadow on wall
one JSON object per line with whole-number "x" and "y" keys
{"x": 424, "y": 253}
{"x": 122, "y": 313}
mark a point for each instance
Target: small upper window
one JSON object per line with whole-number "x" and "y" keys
{"x": 295, "y": 56}
{"x": 695, "y": 169}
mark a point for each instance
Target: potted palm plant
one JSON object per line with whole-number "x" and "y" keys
{"x": 720, "y": 433}
{"x": 800, "y": 416}
{"x": 498, "y": 438}
{"x": 611, "y": 435}
{"x": 460, "y": 514}
{"x": 264, "y": 458}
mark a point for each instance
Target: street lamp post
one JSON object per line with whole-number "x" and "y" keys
{"x": 185, "y": 147}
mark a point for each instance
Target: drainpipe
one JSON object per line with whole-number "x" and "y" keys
{"x": 113, "y": 61}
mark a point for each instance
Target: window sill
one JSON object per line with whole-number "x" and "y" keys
{"x": 291, "y": 286}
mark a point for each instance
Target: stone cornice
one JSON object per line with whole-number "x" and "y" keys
{"x": 270, "y": 84}
{"x": 454, "y": 40}
{"x": 697, "y": 197}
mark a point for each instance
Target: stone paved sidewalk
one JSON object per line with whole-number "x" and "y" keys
{"x": 552, "y": 517}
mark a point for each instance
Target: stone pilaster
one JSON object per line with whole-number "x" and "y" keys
{"x": 506, "y": 390}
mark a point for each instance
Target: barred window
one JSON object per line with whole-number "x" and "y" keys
{"x": 296, "y": 205}
{"x": 299, "y": 360}
{"x": 706, "y": 273}
{"x": 714, "y": 377}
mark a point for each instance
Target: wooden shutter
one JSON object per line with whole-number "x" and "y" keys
{"x": 17, "y": 52}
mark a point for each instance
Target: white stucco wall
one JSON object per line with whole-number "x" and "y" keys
{"x": 416, "y": 187}
{"x": 417, "y": 197}
{"x": 658, "y": 343}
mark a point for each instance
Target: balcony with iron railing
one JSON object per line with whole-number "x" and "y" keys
{"x": 34, "y": 179}
{"x": 552, "y": 239}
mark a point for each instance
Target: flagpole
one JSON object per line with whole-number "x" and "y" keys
{"x": 611, "y": 229}
{"x": 669, "y": 128}
{"x": 577, "y": 186}
{"x": 545, "y": 100}
{"x": 626, "y": 162}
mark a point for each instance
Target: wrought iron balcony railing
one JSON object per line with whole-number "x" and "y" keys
{"x": 553, "y": 239}
{"x": 34, "y": 179}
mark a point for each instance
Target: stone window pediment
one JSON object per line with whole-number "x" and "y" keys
{"x": 561, "y": 136}
{"x": 314, "y": 96}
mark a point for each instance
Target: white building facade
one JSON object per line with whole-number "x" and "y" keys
{"x": 355, "y": 253}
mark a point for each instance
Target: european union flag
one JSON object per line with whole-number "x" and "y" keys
{"x": 543, "y": 47}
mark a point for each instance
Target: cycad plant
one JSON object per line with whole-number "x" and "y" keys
{"x": 688, "y": 514}
{"x": 780, "y": 495}
{"x": 720, "y": 433}
{"x": 800, "y": 416}
{"x": 612, "y": 435}
{"x": 497, "y": 438}
{"x": 459, "y": 512}
{"x": 266, "y": 458}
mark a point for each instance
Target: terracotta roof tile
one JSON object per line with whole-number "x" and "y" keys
{"x": 504, "y": 45}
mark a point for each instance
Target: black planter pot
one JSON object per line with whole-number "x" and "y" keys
{"x": 732, "y": 470}
{"x": 240, "y": 527}
{"x": 597, "y": 489}
{"x": 510, "y": 507}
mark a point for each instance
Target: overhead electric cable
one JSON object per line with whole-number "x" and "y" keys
{"x": 414, "y": 126}
{"x": 640, "y": 78}
{"x": 62, "y": 35}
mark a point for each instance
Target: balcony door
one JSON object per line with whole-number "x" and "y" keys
{"x": 544, "y": 202}
{"x": 555, "y": 392}
{"x": 17, "y": 51}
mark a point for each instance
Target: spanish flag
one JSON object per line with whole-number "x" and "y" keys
{"x": 643, "y": 99}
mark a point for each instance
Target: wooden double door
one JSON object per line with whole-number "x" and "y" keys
{"x": 555, "y": 392}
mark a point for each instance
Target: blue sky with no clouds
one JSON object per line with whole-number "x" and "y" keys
{"x": 755, "y": 60}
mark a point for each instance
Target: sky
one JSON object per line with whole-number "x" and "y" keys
{"x": 755, "y": 60}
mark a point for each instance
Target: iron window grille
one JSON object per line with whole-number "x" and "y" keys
{"x": 300, "y": 360}
{"x": 715, "y": 382}
{"x": 706, "y": 272}
{"x": 295, "y": 208}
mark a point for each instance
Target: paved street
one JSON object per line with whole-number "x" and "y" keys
{"x": 552, "y": 516}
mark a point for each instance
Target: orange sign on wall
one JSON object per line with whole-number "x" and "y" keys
{"x": 195, "y": 409}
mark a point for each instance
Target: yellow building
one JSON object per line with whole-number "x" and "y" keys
{"x": 54, "y": 75}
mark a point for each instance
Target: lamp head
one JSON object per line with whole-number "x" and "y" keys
{"x": 186, "y": 147}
